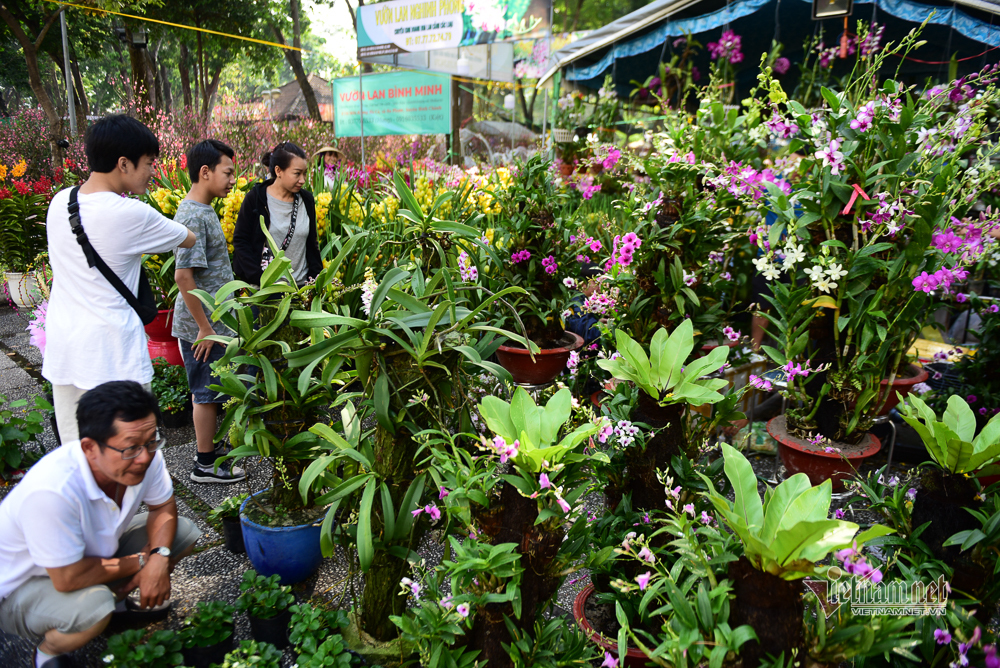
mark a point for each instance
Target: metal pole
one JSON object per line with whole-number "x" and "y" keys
{"x": 513, "y": 121}
{"x": 361, "y": 100}
{"x": 70, "y": 102}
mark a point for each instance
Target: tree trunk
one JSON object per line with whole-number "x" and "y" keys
{"x": 209, "y": 95}
{"x": 185, "y": 72}
{"x": 772, "y": 606}
{"x": 538, "y": 547}
{"x": 142, "y": 80}
{"x": 294, "y": 59}
{"x": 382, "y": 597}
{"x": 82, "y": 103}
{"x": 168, "y": 98}
{"x": 30, "y": 48}
{"x": 153, "y": 75}
{"x": 669, "y": 441}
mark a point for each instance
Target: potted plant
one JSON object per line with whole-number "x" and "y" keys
{"x": 160, "y": 272}
{"x": 273, "y": 403}
{"x": 418, "y": 341}
{"x": 864, "y": 246}
{"x": 978, "y": 374}
{"x": 170, "y": 387}
{"x": 531, "y": 511}
{"x": 208, "y": 634}
{"x": 784, "y": 539}
{"x": 22, "y": 238}
{"x": 950, "y": 498}
{"x": 266, "y": 603}
{"x": 312, "y": 628}
{"x": 18, "y": 430}
{"x": 253, "y": 654}
{"x": 134, "y": 649}
{"x": 228, "y": 512}
{"x": 674, "y": 606}
{"x": 524, "y": 252}
{"x": 667, "y": 382}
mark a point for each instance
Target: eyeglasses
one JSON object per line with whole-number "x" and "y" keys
{"x": 132, "y": 451}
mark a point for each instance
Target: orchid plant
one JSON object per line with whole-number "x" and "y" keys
{"x": 877, "y": 221}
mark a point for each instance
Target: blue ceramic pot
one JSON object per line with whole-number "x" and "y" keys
{"x": 291, "y": 552}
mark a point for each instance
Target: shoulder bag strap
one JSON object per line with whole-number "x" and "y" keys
{"x": 291, "y": 224}
{"x": 93, "y": 259}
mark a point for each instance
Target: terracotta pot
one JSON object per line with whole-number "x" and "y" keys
{"x": 800, "y": 456}
{"x": 159, "y": 329}
{"x": 902, "y": 386}
{"x": 548, "y": 364}
{"x": 596, "y": 398}
{"x": 634, "y": 658}
{"x": 709, "y": 347}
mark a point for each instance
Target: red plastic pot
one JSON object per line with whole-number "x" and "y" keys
{"x": 634, "y": 658}
{"x": 549, "y": 362}
{"x": 168, "y": 350}
{"x": 903, "y": 386}
{"x": 161, "y": 342}
{"x": 800, "y": 456}
{"x": 159, "y": 329}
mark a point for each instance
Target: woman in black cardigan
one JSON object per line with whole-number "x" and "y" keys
{"x": 289, "y": 214}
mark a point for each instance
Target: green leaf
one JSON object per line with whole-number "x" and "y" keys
{"x": 748, "y": 505}
{"x": 554, "y": 415}
{"x": 366, "y": 547}
{"x": 525, "y": 416}
{"x": 382, "y": 403}
{"x": 780, "y": 503}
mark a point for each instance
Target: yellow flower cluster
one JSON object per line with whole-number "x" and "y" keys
{"x": 230, "y": 209}
{"x": 426, "y": 194}
{"x": 168, "y": 200}
{"x": 19, "y": 169}
{"x": 3, "y": 172}
{"x": 351, "y": 207}
{"x": 323, "y": 214}
{"x": 385, "y": 210}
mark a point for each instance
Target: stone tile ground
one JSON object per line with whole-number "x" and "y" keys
{"x": 213, "y": 573}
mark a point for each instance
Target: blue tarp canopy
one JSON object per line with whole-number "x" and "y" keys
{"x": 630, "y": 48}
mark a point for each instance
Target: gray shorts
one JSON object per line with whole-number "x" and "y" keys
{"x": 36, "y": 607}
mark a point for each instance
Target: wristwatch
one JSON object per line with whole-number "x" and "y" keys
{"x": 162, "y": 551}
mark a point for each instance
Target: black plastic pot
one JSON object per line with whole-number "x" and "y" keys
{"x": 273, "y": 630}
{"x": 232, "y": 531}
{"x": 179, "y": 419}
{"x": 204, "y": 657}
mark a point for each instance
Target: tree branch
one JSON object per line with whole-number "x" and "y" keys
{"x": 48, "y": 24}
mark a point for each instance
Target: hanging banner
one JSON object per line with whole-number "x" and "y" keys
{"x": 403, "y": 26}
{"x": 489, "y": 62}
{"x": 396, "y": 103}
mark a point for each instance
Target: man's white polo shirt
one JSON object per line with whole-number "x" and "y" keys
{"x": 58, "y": 515}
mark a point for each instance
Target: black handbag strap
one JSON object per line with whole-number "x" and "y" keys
{"x": 291, "y": 223}
{"x": 266, "y": 256}
{"x": 95, "y": 260}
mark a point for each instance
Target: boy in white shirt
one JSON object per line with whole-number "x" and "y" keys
{"x": 92, "y": 334}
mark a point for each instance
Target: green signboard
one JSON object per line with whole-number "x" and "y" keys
{"x": 396, "y": 103}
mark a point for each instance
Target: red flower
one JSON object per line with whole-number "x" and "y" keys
{"x": 5, "y": 193}
{"x": 184, "y": 162}
{"x": 43, "y": 185}
{"x": 22, "y": 188}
